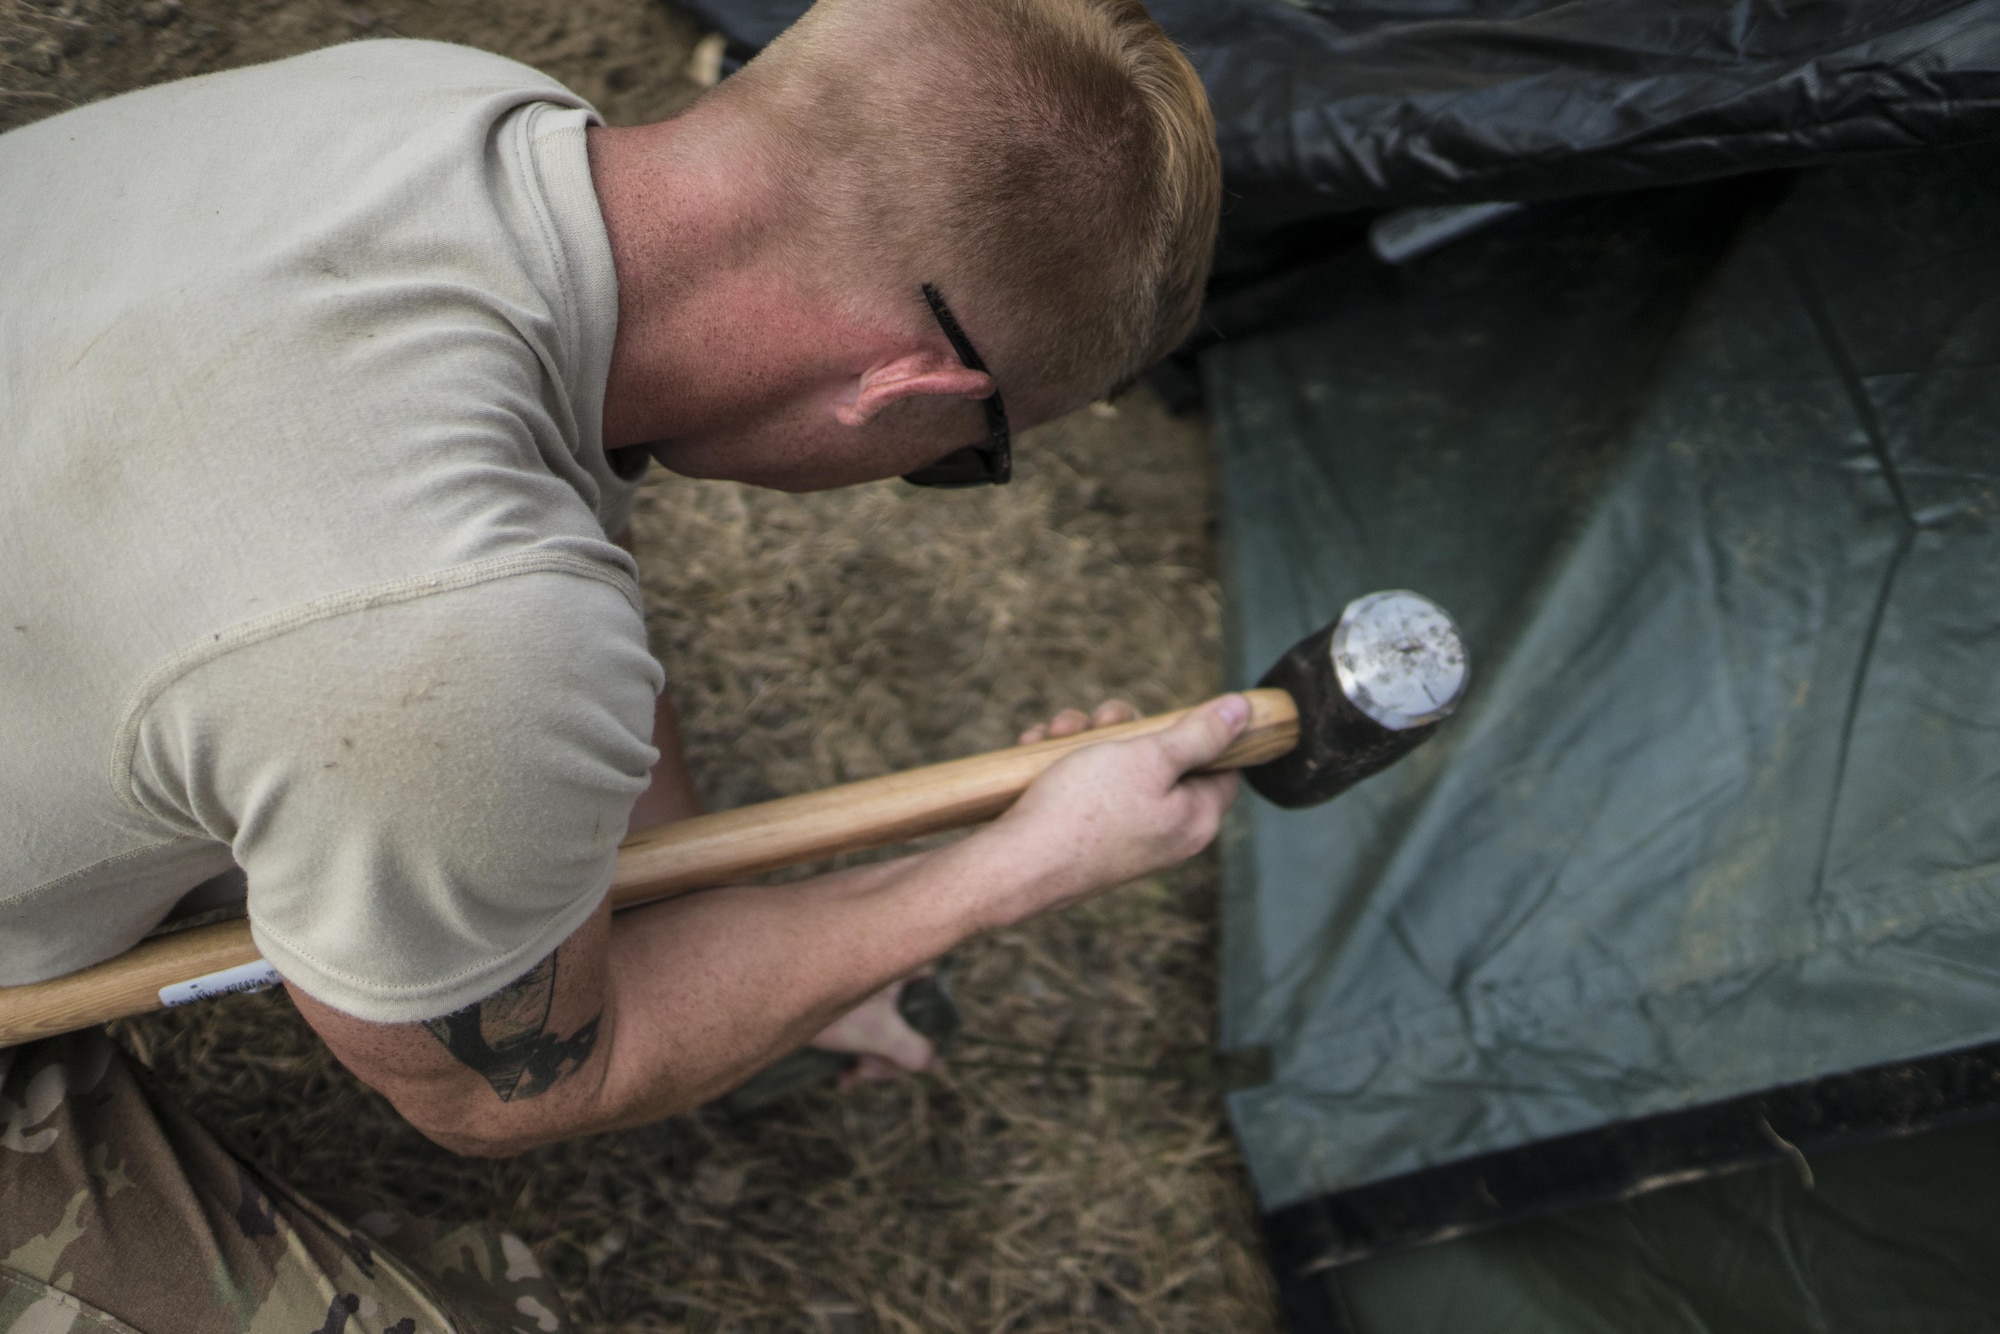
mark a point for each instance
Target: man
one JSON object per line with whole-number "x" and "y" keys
{"x": 325, "y": 383}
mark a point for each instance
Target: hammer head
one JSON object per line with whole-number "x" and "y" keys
{"x": 1369, "y": 688}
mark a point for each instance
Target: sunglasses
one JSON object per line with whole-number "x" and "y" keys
{"x": 990, "y": 464}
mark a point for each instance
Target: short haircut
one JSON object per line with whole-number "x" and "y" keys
{"x": 1049, "y": 164}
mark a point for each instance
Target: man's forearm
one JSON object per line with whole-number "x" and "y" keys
{"x": 709, "y": 988}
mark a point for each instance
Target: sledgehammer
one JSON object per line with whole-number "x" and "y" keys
{"x": 1345, "y": 702}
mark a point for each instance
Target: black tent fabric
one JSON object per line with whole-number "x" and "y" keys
{"x": 1901, "y": 1236}
{"x": 1709, "y": 475}
{"x": 1324, "y": 106}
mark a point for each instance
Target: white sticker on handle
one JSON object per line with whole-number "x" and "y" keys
{"x": 244, "y": 977}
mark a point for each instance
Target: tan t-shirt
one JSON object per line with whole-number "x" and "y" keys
{"x": 303, "y": 505}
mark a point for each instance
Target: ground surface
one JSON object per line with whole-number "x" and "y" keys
{"x": 1070, "y": 1168}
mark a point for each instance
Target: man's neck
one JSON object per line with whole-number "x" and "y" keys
{"x": 709, "y": 324}
{"x": 662, "y": 221}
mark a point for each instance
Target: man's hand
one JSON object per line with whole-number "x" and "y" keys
{"x": 877, "y": 1034}
{"x": 1112, "y": 812}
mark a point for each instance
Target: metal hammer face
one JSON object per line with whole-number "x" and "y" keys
{"x": 1369, "y": 689}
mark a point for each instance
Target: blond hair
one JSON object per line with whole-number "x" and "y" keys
{"x": 1049, "y": 164}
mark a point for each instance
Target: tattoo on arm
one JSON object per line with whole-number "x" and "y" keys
{"x": 506, "y": 1037}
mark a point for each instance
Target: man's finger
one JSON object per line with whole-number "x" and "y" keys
{"x": 1205, "y": 733}
{"x": 1069, "y": 722}
{"x": 1214, "y": 793}
{"x": 1204, "y": 800}
{"x": 1111, "y": 712}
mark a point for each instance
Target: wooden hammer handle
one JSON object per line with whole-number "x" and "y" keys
{"x": 717, "y": 849}
{"x": 697, "y": 853}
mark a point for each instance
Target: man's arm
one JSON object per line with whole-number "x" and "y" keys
{"x": 671, "y": 795}
{"x": 689, "y": 997}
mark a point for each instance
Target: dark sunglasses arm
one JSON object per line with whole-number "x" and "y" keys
{"x": 974, "y": 465}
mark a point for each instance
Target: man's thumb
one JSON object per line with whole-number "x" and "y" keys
{"x": 1202, "y": 736}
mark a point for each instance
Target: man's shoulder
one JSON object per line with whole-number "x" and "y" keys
{"x": 406, "y": 70}
{"x": 397, "y": 681}
{"x": 407, "y": 62}
{"x": 511, "y": 619}
{"x": 326, "y": 292}
{"x": 300, "y": 106}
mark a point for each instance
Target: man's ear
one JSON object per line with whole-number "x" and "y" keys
{"x": 916, "y": 375}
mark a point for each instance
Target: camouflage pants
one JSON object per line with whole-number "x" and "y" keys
{"x": 119, "y": 1212}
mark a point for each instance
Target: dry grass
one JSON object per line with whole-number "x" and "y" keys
{"x": 1058, "y": 1174}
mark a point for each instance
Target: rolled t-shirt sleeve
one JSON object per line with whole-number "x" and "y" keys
{"x": 425, "y": 784}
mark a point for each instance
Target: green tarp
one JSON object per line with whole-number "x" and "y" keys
{"x": 1708, "y": 476}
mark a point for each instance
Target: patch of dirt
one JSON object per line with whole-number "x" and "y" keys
{"x": 1066, "y": 1170}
